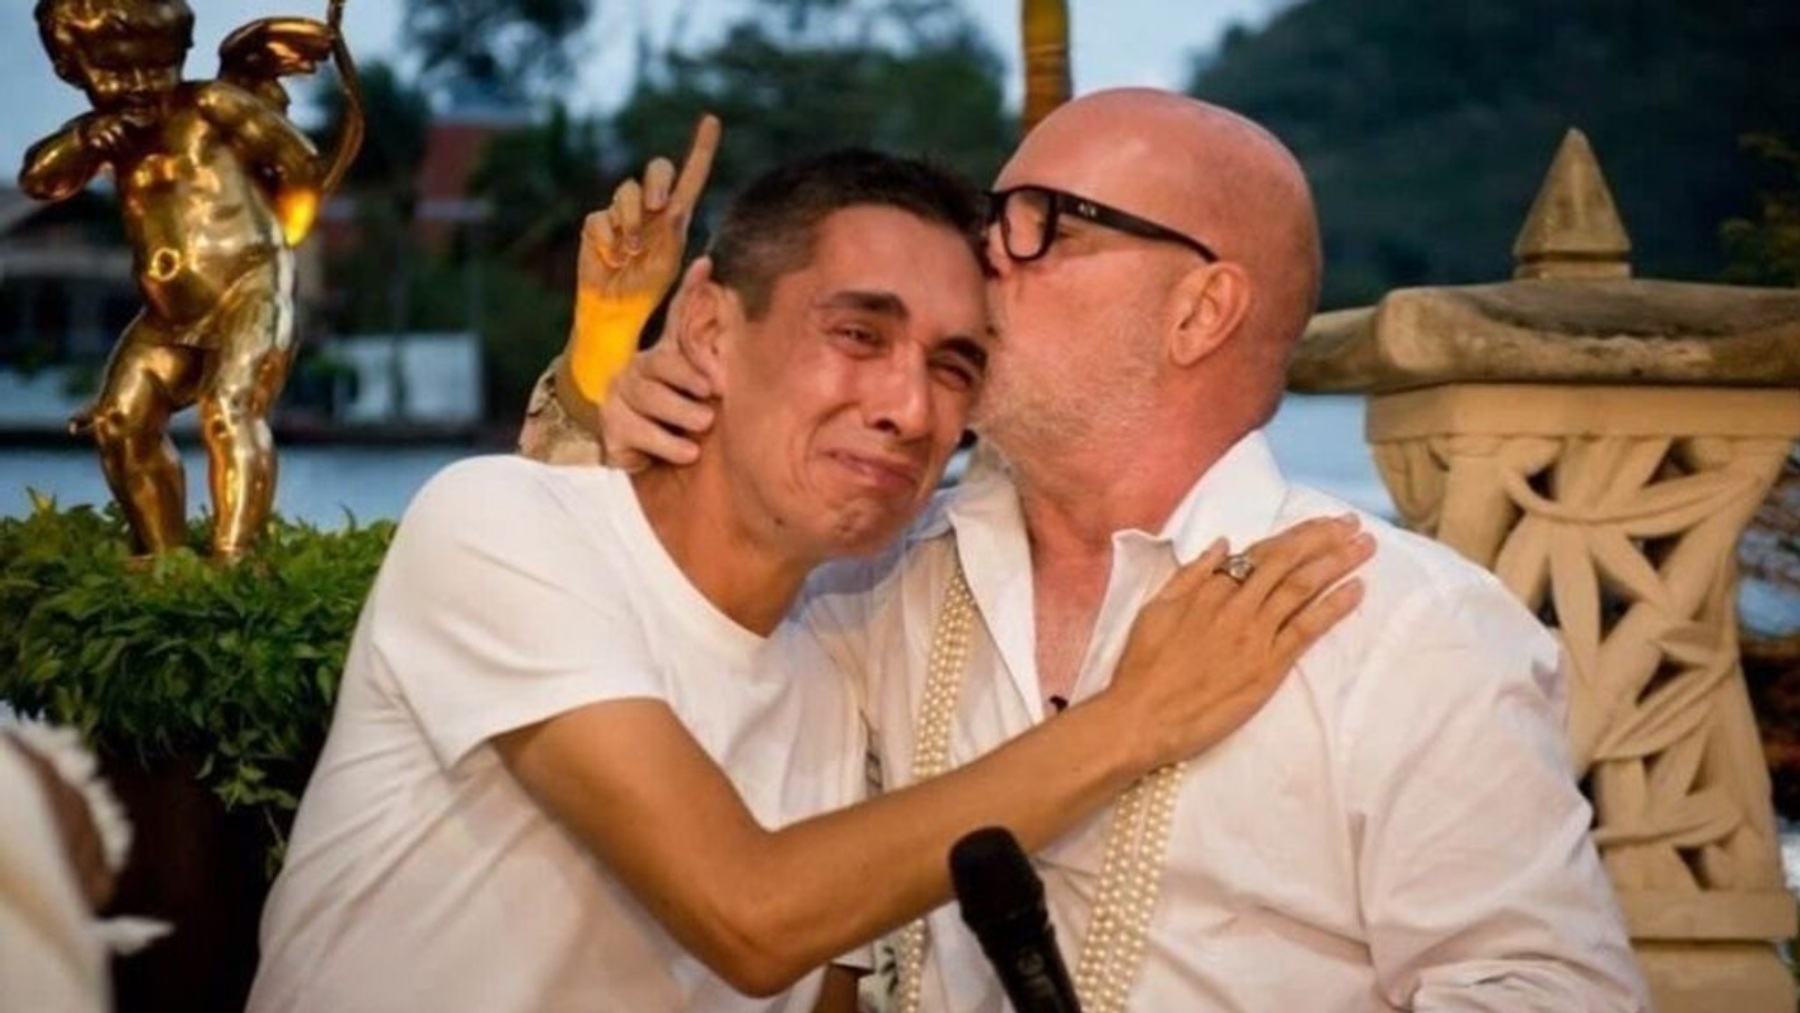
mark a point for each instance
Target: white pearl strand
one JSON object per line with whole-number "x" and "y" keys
{"x": 931, "y": 754}
{"x": 1113, "y": 951}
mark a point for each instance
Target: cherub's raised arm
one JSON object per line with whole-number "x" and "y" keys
{"x": 59, "y": 166}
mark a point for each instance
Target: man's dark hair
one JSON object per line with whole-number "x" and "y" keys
{"x": 768, "y": 229}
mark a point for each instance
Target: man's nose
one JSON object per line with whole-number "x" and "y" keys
{"x": 900, "y": 398}
{"x": 999, "y": 262}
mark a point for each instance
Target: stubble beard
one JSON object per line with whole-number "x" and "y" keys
{"x": 1036, "y": 422}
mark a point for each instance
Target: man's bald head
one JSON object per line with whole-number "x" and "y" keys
{"x": 1209, "y": 173}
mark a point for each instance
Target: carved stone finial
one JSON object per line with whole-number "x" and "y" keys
{"x": 1573, "y": 230}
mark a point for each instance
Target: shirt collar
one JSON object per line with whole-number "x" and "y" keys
{"x": 1238, "y": 499}
{"x": 986, "y": 486}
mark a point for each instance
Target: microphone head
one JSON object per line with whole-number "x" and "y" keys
{"x": 994, "y": 881}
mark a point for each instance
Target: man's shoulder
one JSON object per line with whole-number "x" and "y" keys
{"x": 503, "y": 507}
{"x": 496, "y": 483}
{"x": 1422, "y": 596}
{"x": 1406, "y": 563}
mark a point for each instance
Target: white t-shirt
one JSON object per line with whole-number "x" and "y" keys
{"x": 1398, "y": 827}
{"x": 420, "y": 876}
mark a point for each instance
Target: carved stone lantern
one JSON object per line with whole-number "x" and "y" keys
{"x": 1599, "y": 442}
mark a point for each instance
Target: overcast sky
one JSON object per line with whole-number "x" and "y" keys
{"x": 1115, "y": 42}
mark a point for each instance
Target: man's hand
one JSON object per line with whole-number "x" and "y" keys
{"x": 630, "y": 255}
{"x": 1207, "y": 652}
{"x": 655, "y": 406}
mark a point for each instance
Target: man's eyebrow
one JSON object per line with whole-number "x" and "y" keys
{"x": 884, "y": 303}
{"x": 968, "y": 348}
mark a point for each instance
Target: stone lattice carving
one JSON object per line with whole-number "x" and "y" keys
{"x": 1624, "y": 544}
{"x": 1622, "y": 538}
{"x": 1599, "y": 442}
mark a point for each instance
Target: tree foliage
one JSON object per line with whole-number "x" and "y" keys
{"x": 1765, "y": 249}
{"x": 795, "y": 77}
{"x": 398, "y": 114}
{"x": 540, "y": 181}
{"x": 375, "y": 284}
{"x": 1427, "y": 127}
{"x": 505, "y": 50}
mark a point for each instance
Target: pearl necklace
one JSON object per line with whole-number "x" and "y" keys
{"x": 1130, "y": 872}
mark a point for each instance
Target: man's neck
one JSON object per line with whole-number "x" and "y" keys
{"x": 716, "y": 548}
{"x": 1074, "y": 502}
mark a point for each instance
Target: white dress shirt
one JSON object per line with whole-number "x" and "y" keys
{"x": 1399, "y": 826}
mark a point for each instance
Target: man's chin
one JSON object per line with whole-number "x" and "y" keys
{"x": 868, "y": 530}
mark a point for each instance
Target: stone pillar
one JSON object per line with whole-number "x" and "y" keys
{"x": 1600, "y": 443}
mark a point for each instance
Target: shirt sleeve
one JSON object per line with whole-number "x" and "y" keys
{"x": 495, "y": 609}
{"x": 1480, "y": 882}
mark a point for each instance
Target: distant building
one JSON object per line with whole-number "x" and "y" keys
{"x": 65, "y": 294}
{"x": 454, "y": 146}
{"x": 423, "y": 380}
{"x": 65, "y": 278}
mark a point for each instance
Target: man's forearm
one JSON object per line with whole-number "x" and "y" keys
{"x": 874, "y": 867}
{"x": 763, "y": 908}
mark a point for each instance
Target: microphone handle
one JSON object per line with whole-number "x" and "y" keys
{"x": 1033, "y": 974}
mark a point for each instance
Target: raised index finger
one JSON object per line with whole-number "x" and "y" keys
{"x": 698, "y": 164}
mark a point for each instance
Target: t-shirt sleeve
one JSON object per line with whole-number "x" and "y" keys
{"x": 496, "y": 609}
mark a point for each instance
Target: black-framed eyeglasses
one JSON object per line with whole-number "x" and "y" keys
{"x": 1027, "y": 216}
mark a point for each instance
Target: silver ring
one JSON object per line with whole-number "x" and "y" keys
{"x": 1237, "y": 566}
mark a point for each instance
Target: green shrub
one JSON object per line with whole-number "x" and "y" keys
{"x": 234, "y": 668}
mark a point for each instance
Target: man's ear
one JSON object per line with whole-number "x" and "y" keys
{"x": 702, "y": 318}
{"x": 1206, "y": 307}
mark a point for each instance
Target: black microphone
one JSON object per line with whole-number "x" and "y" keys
{"x": 1003, "y": 904}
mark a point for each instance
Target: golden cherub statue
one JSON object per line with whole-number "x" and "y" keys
{"x": 217, "y": 187}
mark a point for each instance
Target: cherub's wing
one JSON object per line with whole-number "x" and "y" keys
{"x": 257, "y": 56}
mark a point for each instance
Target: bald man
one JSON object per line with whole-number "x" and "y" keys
{"x": 1399, "y": 826}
